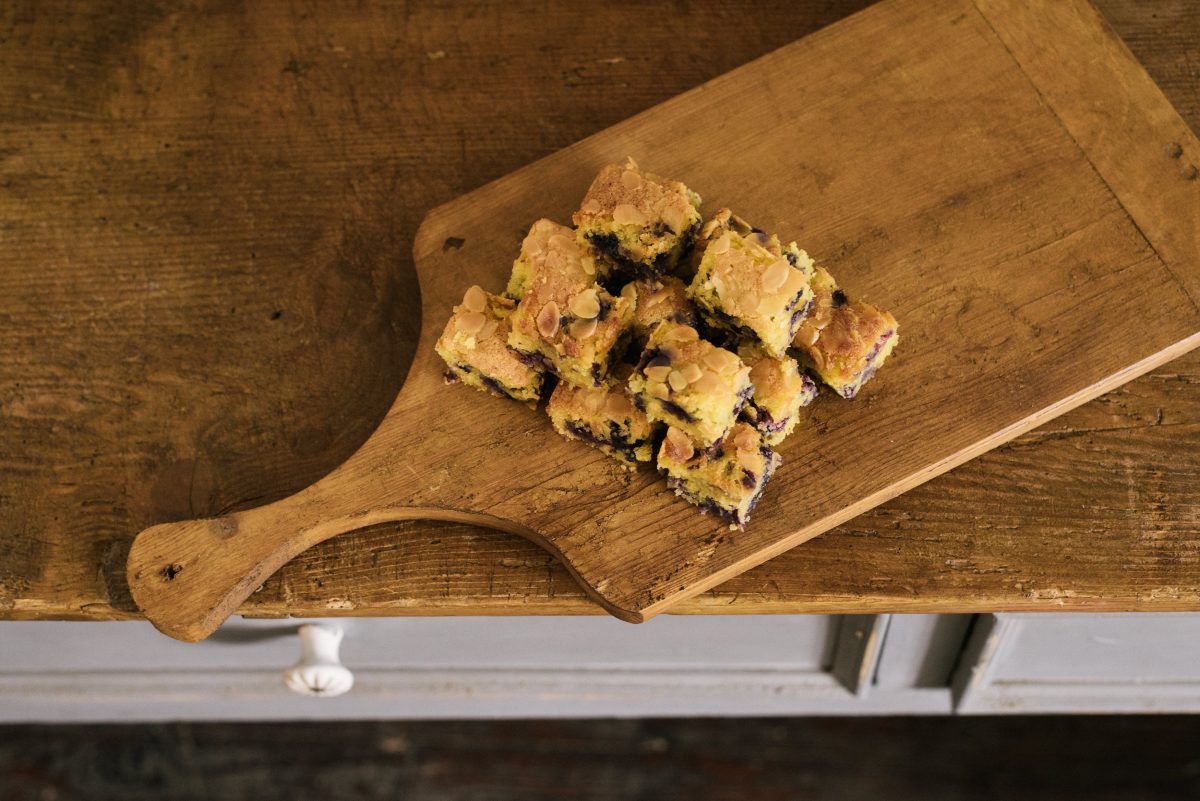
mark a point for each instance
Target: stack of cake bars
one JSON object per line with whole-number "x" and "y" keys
{"x": 667, "y": 338}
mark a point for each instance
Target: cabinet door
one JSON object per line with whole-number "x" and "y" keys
{"x": 442, "y": 667}
{"x": 1075, "y": 662}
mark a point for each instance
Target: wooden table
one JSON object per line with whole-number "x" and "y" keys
{"x": 197, "y": 202}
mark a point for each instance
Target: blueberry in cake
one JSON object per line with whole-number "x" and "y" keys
{"x": 725, "y": 481}
{"x": 565, "y": 321}
{"x": 844, "y": 342}
{"x": 474, "y": 345}
{"x": 781, "y": 389}
{"x": 690, "y": 384}
{"x": 749, "y": 285}
{"x": 636, "y": 222}
{"x": 605, "y": 417}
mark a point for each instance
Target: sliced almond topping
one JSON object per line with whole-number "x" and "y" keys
{"x": 675, "y": 216}
{"x": 630, "y": 164}
{"x": 760, "y": 373}
{"x": 678, "y": 446}
{"x": 745, "y": 439}
{"x": 586, "y": 304}
{"x": 677, "y": 381}
{"x": 682, "y": 333}
{"x": 748, "y": 302}
{"x": 630, "y": 180}
{"x": 471, "y": 323}
{"x": 589, "y": 265}
{"x": 548, "y": 320}
{"x": 658, "y": 373}
{"x": 630, "y": 293}
{"x": 707, "y": 383}
{"x": 582, "y": 329}
{"x": 691, "y": 372}
{"x": 719, "y": 245}
{"x": 626, "y": 214}
{"x": 720, "y": 360}
{"x": 806, "y": 337}
{"x": 591, "y": 206}
{"x": 489, "y": 329}
{"x": 659, "y": 391}
{"x": 776, "y": 275}
{"x": 475, "y": 299}
{"x": 618, "y": 405}
{"x": 562, "y": 242}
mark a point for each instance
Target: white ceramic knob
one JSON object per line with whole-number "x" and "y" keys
{"x": 319, "y": 672}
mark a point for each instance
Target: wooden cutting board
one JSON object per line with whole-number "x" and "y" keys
{"x": 1002, "y": 175}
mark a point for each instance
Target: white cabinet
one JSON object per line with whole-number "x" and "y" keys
{"x": 445, "y": 667}
{"x": 1081, "y": 663}
{"x": 598, "y": 667}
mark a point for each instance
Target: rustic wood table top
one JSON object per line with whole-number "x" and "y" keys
{"x": 207, "y": 302}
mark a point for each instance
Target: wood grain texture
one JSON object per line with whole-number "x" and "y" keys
{"x": 211, "y": 192}
{"x": 1009, "y": 244}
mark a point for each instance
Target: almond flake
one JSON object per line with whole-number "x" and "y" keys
{"x": 582, "y": 329}
{"x": 745, "y": 439}
{"x": 659, "y": 391}
{"x": 586, "y": 304}
{"x": 707, "y": 383}
{"x": 626, "y": 214}
{"x": 691, "y": 372}
{"x": 682, "y": 333}
{"x": 677, "y": 381}
{"x": 618, "y": 405}
{"x": 489, "y": 329}
{"x": 630, "y": 180}
{"x": 591, "y": 206}
{"x": 475, "y": 299}
{"x": 548, "y": 320}
{"x": 721, "y": 360}
{"x": 589, "y": 265}
{"x": 719, "y": 245}
{"x": 776, "y": 276}
{"x": 562, "y": 242}
{"x": 659, "y": 374}
{"x": 678, "y": 446}
{"x": 471, "y": 323}
{"x": 630, "y": 293}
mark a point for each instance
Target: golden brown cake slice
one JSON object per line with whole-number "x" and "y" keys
{"x": 726, "y": 481}
{"x": 750, "y": 285}
{"x": 474, "y": 345}
{"x": 638, "y": 222}
{"x": 691, "y": 384}
{"x": 605, "y": 417}
{"x": 565, "y": 321}
{"x": 781, "y": 389}
{"x": 844, "y": 342}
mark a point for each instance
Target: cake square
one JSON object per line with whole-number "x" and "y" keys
{"x": 474, "y": 345}
{"x": 843, "y": 341}
{"x": 565, "y": 321}
{"x": 548, "y": 245}
{"x": 605, "y": 417}
{"x": 638, "y": 223}
{"x": 752, "y": 286}
{"x": 726, "y": 481}
{"x": 690, "y": 384}
{"x": 781, "y": 389}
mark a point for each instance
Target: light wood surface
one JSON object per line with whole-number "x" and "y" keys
{"x": 190, "y": 216}
{"x": 928, "y": 156}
